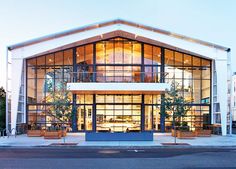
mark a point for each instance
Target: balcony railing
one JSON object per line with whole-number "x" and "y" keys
{"x": 119, "y": 77}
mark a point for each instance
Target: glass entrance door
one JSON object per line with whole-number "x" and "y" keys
{"x": 118, "y": 113}
{"x": 84, "y": 117}
{"x": 118, "y": 118}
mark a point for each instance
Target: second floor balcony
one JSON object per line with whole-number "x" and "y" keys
{"x": 117, "y": 83}
{"x": 118, "y": 77}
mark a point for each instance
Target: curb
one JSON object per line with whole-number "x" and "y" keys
{"x": 119, "y": 147}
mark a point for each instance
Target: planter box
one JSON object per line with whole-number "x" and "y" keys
{"x": 131, "y": 136}
{"x": 63, "y": 133}
{"x": 203, "y": 133}
{"x": 185, "y": 134}
{"x": 52, "y": 134}
{"x": 35, "y": 133}
{"x": 173, "y": 132}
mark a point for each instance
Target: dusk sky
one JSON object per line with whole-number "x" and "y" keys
{"x": 208, "y": 20}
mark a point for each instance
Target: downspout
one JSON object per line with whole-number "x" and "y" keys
{"x": 7, "y": 126}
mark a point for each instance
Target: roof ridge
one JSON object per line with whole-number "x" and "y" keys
{"x": 112, "y": 22}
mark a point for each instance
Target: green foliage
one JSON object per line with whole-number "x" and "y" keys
{"x": 175, "y": 104}
{"x": 60, "y": 103}
{"x": 2, "y": 108}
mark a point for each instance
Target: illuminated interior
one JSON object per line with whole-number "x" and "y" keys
{"x": 122, "y": 61}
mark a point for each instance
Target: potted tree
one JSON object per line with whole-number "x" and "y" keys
{"x": 178, "y": 108}
{"x": 60, "y": 110}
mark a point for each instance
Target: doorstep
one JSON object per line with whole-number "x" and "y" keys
{"x": 130, "y": 136}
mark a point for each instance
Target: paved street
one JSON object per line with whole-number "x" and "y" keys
{"x": 79, "y": 139}
{"x": 125, "y": 158}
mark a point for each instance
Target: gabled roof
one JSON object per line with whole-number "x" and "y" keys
{"x": 113, "y": 22}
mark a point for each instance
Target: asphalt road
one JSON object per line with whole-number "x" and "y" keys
{"x": 129, "y": 158}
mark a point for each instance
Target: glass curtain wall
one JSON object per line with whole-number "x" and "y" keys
{"x": 123, "y": 61}
{"x": 192, "y": 77}
{"x": 45, "y": 75}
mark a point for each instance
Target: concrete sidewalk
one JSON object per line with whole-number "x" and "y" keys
{"x": 24, "y": 141}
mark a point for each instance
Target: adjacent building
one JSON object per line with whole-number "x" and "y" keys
{"x": 233, "y": 97}
{"x": 116, "y": 73}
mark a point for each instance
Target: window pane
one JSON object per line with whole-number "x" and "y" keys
{"x": 31, "y": 72}
{"x": 205, "y": 91}
{"x": 41, "y": 72}
{"x": 148, "y": 54}
{"x": 206, "y": 62}
{"x": 59, "y": 58}
{"x": 148, "y": 117}
{"x": 136, "y": 53}
{"x": 80, "y": 55}
{"x": 101, "y": 74}
{"x": 148, "y": 99}
{"x": 196, "y": 61}
{"x": 169, "y": 57}
{"x": 188, "y": 88}
{"x": 119, "y": 73}
{"x": 156, "y": 99}
{"x": 170, "y": 72}
{"x": 31, "y": 62}
{"x": 41, "y": 60}
{"x": 137, "y": 99}
{"x": 88, "y": 117}
{"x": 109, "y": 54}
{"x": 80, "y": 99}
{"x": 128, "y": 53}
{"x": 178, "y": 58}
{"x": 68, "y": 57}
{"x": 40, "y": 90}
{"x": 118, "y": 98}
{"x": 110, "y": 74}
{"x": 88, "y": 99}
{"x": 206, "y": 73}
{"x": 109, "y": 98}
{"x": 196, "y": 91}
{"x": 127, "y": 99}
{"x": 50, "y": 59}
{"x": 187, "y": 60}
{"x": 100, "y": 98}
{"x": 188, "y": 74}
{"x": 156, "y": 56}
{"x": 89, "y": 54}
{"x": 179, "y": 72}
{"x": 119, "y": 52}
{"x": 197, "y": 73}
{"x": 31, "y": 90}
{"x": 148, "y": 74}
{"x": 136, "y": 74}
{"x": 100, "y": 52}
{"x": 67, "y": 73}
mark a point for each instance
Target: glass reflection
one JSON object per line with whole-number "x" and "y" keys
{"x": 119, "y": 60}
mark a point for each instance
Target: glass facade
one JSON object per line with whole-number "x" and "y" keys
{"x": 122, "y": 61}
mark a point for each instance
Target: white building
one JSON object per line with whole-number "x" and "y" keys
{"x": 157, "y": 57}
{"x": 233, "y": 97}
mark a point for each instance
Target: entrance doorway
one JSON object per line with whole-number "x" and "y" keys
{"x": 118, "y": 118}
{"x": 84, "y": 117}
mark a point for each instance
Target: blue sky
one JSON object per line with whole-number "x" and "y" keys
{"x": 209, "y": 20}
